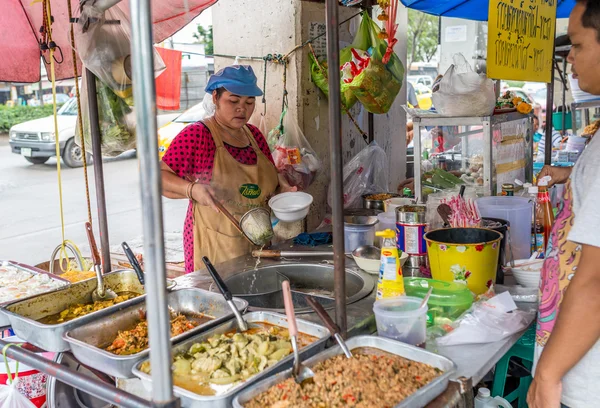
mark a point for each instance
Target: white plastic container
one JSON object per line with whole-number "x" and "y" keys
{"x": 387, "y": 220}
{"x": 401, "y": 319}
{"x": 578, "y": 94}
{"x": 292, "y": 206}
{"x": 358, "y": 235}
{"x": 518, "y": 211}
{"x": 484, "y": 400}
{"x": 528, "y": 276}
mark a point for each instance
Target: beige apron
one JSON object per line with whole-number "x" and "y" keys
{"x": 243, "y": 187}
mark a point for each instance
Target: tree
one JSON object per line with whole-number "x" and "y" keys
{"x": 205, "y": 36}
{"x": 423, "y": 34}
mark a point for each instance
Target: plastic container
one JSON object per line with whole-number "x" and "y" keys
{"x": 467, "y": 256}
{"x": 447, "y": 302}
{"x": 387, "y": 220}
{"x": 292, "y": 206}
{"x": 391, "y": 283}
{"x": 485, "y": 400}
{"x": 518, "y": 211}
{"x": 401, "y": 319}
{"x": 528, "y": 276}
{"x": 359, "y": 230}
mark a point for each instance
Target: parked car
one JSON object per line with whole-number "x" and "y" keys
{"x": 519, "y": 92}
{"x": 421, "y": 79}
{"x": 423, "y": 96}
{"x": 36, "y": 142}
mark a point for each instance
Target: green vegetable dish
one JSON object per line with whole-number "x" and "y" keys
{"x": 217, "y": 364}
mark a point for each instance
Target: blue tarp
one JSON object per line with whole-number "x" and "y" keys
{"x": 471, "y": 9}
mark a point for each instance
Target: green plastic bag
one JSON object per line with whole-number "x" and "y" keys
{"x": 376, "y": 88}
{"x": 378, "y": 85}
{"x": 319, "y": 77}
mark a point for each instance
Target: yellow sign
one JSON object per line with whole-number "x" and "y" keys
{"x": 521, "y": 39}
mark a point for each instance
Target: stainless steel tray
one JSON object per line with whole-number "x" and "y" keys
{"x": 87, "y": 341}
{"x": 420, "y": 398}
{"x": 3, "y": 319}
{"x": 23, "y": 315}
{"x": 192, "y": 400}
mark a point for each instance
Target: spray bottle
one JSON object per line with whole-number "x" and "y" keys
{"x": 391, "y": 282}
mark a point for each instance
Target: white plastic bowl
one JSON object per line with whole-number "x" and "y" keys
{"x": 372, "y": 265}
{"x": 528, "y": 276}
{"x": 292, "y": 206}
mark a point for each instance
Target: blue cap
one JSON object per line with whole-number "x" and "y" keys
{"x": 237, "y": 79}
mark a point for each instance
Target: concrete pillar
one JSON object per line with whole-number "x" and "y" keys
{"x": 254, "y": 29}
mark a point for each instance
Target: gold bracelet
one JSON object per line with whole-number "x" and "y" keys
{"x": 188, "y": 192}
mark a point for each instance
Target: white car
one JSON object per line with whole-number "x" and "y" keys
{"x": 421, "y": 79}
{"x": 36, "y": 142}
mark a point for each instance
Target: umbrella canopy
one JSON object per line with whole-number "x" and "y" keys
{"x": 20, "y": 22}
{"x": 471, "y": 9}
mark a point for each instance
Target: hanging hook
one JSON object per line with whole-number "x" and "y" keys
{"x": 52, "y": 45}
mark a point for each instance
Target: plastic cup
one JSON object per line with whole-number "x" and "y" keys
{"x": 401, "y": 319}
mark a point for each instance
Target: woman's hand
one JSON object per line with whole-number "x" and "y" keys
{"x": 559, "y": 175}
{"x": 204, "y": 195}
{"x": 544, "y": 394}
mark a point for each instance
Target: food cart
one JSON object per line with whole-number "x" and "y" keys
{"x": 353, "y": 317}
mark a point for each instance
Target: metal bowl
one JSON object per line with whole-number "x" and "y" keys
{"x": 362, "y": 220}
{"x": 376, "y": 204}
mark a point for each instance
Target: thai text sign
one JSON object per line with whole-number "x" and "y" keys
{"x": 521, "y": 39}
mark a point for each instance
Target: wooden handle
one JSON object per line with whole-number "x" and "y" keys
{"x": 93, "y": 247}
{"x": 230, "y": 217}
{"x": 266, "y": 253}
{"x": 322, "y": 313}
{"x": 289, "y": 308}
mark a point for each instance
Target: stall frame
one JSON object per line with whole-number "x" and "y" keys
{"x": 487, "y": 123}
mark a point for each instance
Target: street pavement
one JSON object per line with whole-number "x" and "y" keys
{"x": 30, "y": 226}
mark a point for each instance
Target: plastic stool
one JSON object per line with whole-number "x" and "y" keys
{"x": 523, "y": 349}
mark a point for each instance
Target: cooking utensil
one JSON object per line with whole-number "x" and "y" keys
{"x": 426, "y": 298}
{"x": 101, "y": 292}
{"x": 333, "y": 328}
{"x": 363, "y": 251}
{"x": 445, "y": 212}
{"x": 242, "y": 325}
{"x": 231, "y": 219}
{"x": 461, "y": 193}
{"x": 302, "y": 374}
{"x": 134, "y": 262}
{"x": 257, "y": 226}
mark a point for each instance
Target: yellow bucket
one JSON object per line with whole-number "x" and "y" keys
{"x": 464, "y": 255}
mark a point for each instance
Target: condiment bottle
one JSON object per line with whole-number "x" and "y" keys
{"x": 508, "y": 190}
{"x": 391, "y": 282}
{"x": 485, "y": 400}
{"x": 544, "y": 216}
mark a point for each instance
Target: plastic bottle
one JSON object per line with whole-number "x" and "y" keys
{"x": 391, "y": 282}
{"x": 484, "y": 400}
{"x": 533, "y": 192}
{"x": 544, "y": 216}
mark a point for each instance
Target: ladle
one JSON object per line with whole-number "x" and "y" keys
{"x": 333, "y": 328}
{"x": 101, "y": 292}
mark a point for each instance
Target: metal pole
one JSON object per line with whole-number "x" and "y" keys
{"x": 98, "y": 169}
{"x": 94, "y": 386}
{"x": 142, "y": 57}
{"x": 564, "y": 97}
{"x": 335, "y": 149}
{"x": 549, "y": 105}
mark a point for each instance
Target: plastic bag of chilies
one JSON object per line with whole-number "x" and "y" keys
{"x": 377, "y": 85}
{"x": 294, "y": 158}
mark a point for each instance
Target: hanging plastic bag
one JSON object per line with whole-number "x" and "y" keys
{"x": 294, "y": 158}
{"x": 103, "y": 43}
{"x": 463, "y": 92}
{"x": 116, "y": 119}
{"x": 276, "y": 133}
{"x": 376, "y": 85}
{"x": 10, "y": 397}
{"x": 318, "y": 72}
{"x": 366, "y": 173}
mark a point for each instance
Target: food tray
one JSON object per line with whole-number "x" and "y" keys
{"x": 36, "y": 271}
{"x": 192, "y": 400}
{"x": 86, "y": 341}
{"x": 23, "y": 315}
{"x": 420, "y": 398}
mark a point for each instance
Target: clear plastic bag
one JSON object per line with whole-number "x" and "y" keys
{"x": 366, "y": 173}
{"x": 116, "y": 119}
{"x": 10, "y": 397}
{"x": 294, "y": 157}
{"x": 105, "y": 48}
{"x": 463, "y": 92}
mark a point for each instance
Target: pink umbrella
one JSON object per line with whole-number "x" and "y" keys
{"x": 20, "y": 22}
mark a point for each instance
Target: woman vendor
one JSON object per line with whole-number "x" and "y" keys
{"x": 221, "y": 158}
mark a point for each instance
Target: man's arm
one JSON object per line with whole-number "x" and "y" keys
{"x": 577, "y": 330}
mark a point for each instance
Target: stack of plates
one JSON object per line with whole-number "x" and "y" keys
{"x": 576, "y": 143}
